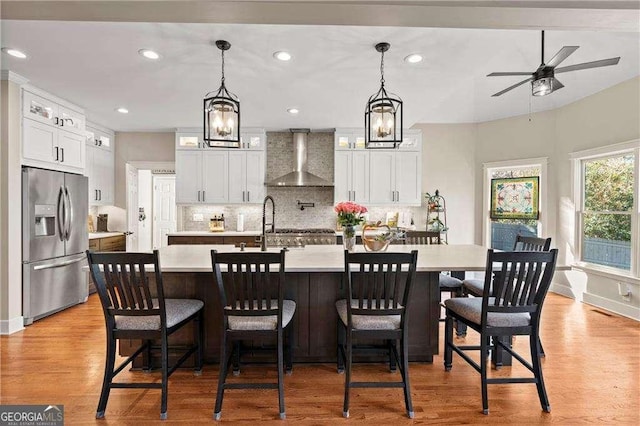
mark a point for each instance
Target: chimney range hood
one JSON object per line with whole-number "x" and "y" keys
{"x": 300, "y": 175}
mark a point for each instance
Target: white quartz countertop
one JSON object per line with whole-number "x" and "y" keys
{"x": 328, "y": 258}
{"x": 95, "y": 235}
{"x": 209, "y": 233}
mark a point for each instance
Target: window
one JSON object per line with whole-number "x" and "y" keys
{"x": 501, "y": 233}
{"x": 607, "y": 213}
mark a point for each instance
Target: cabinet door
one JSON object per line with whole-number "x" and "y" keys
{"x": 91, "y": 173}
{"x": 70, "y": 120}
{"x": 215, "y": 184}
{"x": 188, "y": 140}
{"x": 255, "y": 176}
{"x": 38, "y": 108}
{"x": 188, "y": 177}
{"x": 72, "y": 149}
{"x": 40, "y": 141}
{"x": 237, "y": 176}
{"x": 360, "y": 177}
{"x": 408, "y": 178}
{"x": 253, "y": 141}
{"x": 104, "y": 171}
{"x": 342, "y": 176}
{"x": 382, "y": 173}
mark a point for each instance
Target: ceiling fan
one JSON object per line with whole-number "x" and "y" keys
{"x": 543, "y": 79}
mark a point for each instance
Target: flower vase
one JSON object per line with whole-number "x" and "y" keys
{"x": 349, "y": 237}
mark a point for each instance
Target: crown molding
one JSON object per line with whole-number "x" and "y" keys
{"x": 13, "y": 77}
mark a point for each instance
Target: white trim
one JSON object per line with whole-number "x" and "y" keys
{"x": 100, "y": 127}
{"x": 507, "y": 164}
{"x": 566, "y": 291}
{"x": 11, "y": 326}
{"x": 603, "y": 271}
{"x": 13, "y": 77}
{"x": 619, "y": 308}
{"x": 605, "y": 150}
{"x": 150, "y": 165}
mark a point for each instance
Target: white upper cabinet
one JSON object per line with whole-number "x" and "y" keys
{"x": 192, "y": 138}
{"x": 253, "y": 139}
{"x": 189, "y": 139}
{"x": 100, "y": 166}
{"x": 188, "y": 177}
{"x": 411, "y": 140}
{"x": 53, "y": 134}
{"x": 215, "y": 172}
{"x": 246, "y": 176}
{"x": 397, "y": 178}
{"x": 351, "y": 176}
{"x": 346, "y": 139}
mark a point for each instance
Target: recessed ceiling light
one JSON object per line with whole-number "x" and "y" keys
{"x": 414, "y": 58}
{"x": 282, "y": 56}
{"x": 149, "y": 54}
{"x": 14, "y": 52}
{"x": 122, "y": 110}
{"x": 293, "y": 111}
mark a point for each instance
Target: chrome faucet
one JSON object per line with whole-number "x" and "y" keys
{"x": 263, "y": 247}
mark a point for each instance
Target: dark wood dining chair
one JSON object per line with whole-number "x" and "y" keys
{"x": 251, "y": 296}
{"x": 132, "y": 296}
{"x": 520, "y": 281}
{"x": 375, "y": 308}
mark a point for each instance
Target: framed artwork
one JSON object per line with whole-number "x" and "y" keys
{"x": 515, "y": 198}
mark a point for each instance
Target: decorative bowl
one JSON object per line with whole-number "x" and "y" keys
{"x": 376, "y": 237}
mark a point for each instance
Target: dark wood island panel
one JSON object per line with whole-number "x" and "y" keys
{"x": 250, "y": 241}
{"x": 316, "y": 319}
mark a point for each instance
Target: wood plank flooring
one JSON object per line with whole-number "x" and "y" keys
{"x": 592, "y": 372}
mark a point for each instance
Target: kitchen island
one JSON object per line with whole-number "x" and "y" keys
{"x": 314, "y": 277}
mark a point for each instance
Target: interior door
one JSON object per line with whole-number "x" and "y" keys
{"x": 164, "y": 209}
{"x": 132, "y": 208}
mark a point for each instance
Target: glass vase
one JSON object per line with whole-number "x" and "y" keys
{"x": 349, "y": 237}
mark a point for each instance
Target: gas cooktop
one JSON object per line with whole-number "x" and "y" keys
{"x": 299, "y": 237}
{"x": 303, "y": 231}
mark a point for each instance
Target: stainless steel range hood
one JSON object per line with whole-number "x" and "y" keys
{"x": 300, "y": 175}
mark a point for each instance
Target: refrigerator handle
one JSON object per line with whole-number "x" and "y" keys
{"x": 61, "y": 213}
{"x": 69, "y": 213}
{"x": 57, "y": 265}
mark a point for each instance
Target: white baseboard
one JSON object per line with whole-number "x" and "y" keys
{"x": 614, "y": 306}
{"x": 566, "y": 291}
{"x": 11, "y": 326}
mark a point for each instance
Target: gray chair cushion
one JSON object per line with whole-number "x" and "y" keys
{"x": 474, "y": 286}
{"x": 177, "y": 310}
{"x": 471, "y": 309}
{"x": 263, "y": 322}
{"x": 447, "y": 281}
{"x": 367, "y": 322}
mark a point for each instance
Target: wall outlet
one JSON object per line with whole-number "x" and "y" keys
{"x": 198, "y": 217}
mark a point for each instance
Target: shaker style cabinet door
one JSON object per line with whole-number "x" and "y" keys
{"x": 382, "y": 183}
{"x": 215, "y": 184}
{"x": 72, "y": 149}
{"x": 255, "y": 176}
{"x": 342, "y": 176}
{"x": 188, "y": 177}
{"x": 39, "y": 109}
{"x": 42, "y": 142}
{"x": 360, "y": 176}
{"x": 408, "y": 178}
{"x": 237, "y": 176}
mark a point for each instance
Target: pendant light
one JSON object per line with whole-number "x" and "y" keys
{"x": 222, "y": 113}
{"x": 383, "y": 116}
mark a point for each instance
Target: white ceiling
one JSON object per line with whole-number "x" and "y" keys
{"x": 333, "y": 71}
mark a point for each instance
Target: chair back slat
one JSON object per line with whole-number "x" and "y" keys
{"x": 520, "y": 280}
{"x": 248, "y": 287}
{"x": 527, "y": 243}
{"x": 379, "y": 285}
{"x": 422, "y": 237}
{"x": 123, "y": 283}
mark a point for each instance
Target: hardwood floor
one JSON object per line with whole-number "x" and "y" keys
{"x": 592, "y": 372}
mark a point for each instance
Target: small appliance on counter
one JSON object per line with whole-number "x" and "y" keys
{"x": 216, "y": 223}
{"x": 102, "y": 222}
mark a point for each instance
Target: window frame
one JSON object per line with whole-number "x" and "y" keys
{"x": 578, "y": 161}
{"x": 489, "y": 168}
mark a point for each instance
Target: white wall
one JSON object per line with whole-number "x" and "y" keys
{"x": 606, "y": 118}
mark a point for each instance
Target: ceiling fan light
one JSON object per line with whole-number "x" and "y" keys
{"x": 542, "y": 86}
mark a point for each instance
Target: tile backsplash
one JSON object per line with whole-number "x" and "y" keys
{"x": 288, "y": 213}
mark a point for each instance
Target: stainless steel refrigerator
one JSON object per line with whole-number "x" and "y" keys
{"x": 54, "y": 241}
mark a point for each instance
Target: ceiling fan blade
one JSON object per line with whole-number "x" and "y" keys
{"x": 562, "y": 55}
{"x": 499, "y": 74}
{"x": 587, "y": 65}
{"x": 512, "y": 87}
{"x": 557, "y": 85}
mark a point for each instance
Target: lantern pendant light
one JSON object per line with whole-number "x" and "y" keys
{"x": 222, "y": 113}
{"x": 383, "y": 116}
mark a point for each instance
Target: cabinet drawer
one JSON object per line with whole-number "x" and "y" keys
{"x": 188, "y": 239}
{"x": 117, "y": 243}
{"x": 94, "y": 244}
{"x": 249, "y": 241}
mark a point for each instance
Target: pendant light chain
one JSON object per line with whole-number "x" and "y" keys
{"x": 223, "y": 67}
{"x": 382, "y": 70}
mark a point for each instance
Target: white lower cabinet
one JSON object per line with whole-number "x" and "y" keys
{"x": 351, "y": 176}
{"x": 396, "y": 177}
{"x": 49, "y": 147}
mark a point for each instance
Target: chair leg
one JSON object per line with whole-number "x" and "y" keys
{"x": 483, "y": 372}
{"x": 289, "y": 350}
{"x": 281, "y": 375}
{"x": 448, "y": 341}
{"x": 392, "y": 358}
{"x": 534, "y": 341}
{"x": 200, "y": 339}
{"x": 404, "y": 350}
{"x": 461, "y": 328}
{"x": 108, "y": 375}
{"x": 165, "y": 376}
{"x": 236, "y": 358}
{"x": 347, "y": 376}
{"x": 541, "y": 349}
{"x": 341, "y": 345}
{"x": 225, "y": 360}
